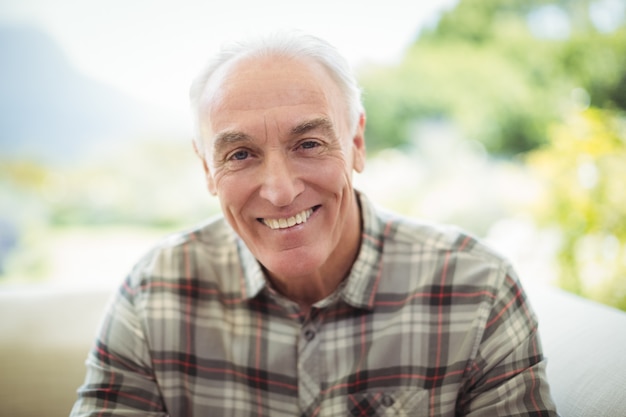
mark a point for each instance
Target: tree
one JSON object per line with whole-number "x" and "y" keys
{"x": 582, "y": 170}
{"x": 488, "y": 69}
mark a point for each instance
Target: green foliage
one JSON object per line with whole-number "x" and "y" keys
{"x": 486, "y": 94}
{"x": 598, "y": 62}
{"x": 583, "y": 169}
{"x": 153, "y": 185}
{"x": 479, "y": 21}
{"x": 484, "y": 71}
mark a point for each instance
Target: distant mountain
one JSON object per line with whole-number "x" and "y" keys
{"x": 49, "y": 110}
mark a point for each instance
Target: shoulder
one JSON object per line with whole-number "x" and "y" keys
{"x": 417, "y": 234}
{"x": 433, "y": 253}
{"x": 212, "y": 233}
{"x": 179, "y": 254}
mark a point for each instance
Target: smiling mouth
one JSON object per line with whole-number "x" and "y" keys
{"x": 285, "y": 223}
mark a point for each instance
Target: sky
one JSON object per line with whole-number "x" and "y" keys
{"x": 151, "y": 49}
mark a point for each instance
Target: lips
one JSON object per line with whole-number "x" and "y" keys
{"x": 284, "y": 223}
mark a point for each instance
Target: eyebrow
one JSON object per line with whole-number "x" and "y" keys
{"x": 321, "y": 123}
{"x": 228, "y": 138}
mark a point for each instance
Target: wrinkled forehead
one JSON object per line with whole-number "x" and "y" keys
{"x": 256, "y": 78}
{"x": 251, "y": 63}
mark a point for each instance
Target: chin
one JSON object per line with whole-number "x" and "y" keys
{"x": 292, "y": 266}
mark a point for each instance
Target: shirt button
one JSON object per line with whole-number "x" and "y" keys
{"x": 387, "y": 400}
{"x": 309, "y": 335}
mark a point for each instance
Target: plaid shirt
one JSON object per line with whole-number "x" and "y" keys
{"x": 428, "y": 323}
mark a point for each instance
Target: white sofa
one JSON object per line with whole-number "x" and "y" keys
{"x": 45, "y": 334}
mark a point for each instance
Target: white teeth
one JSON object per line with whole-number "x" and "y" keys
{"x": 288, "y": 222}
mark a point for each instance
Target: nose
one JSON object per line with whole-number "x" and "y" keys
{"x": 280, "y": 182}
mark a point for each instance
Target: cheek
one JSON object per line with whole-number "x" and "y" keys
{"x": 233, "y": 190}
{"x": 337, "y": 168}
{"x": 332, "y": 176}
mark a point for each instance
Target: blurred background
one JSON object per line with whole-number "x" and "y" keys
{"x": 507, "y": 118}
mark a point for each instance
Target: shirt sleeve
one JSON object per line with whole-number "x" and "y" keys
{"x": 119, "y": 379}
{"x": 508, "y": 375}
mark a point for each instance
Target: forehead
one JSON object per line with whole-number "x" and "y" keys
{"x": 266, "y": 85}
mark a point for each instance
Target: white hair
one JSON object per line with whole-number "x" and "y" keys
{"x": 287, "y": 44}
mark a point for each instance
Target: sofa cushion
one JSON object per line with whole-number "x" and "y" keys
{"x": 584, "y": 343}
{"x": 45, "y": 335}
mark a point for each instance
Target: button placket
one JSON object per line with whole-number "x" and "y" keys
{"x": 309, "y": 363}
{"x": 309, "y": 335}
{"x": 387, "y": 400}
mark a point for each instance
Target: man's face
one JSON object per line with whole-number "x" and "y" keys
{"x": 279, "y": 155}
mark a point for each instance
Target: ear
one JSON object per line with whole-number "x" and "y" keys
{"x": 358, "y": 144}
{"x": 207, "y": 172}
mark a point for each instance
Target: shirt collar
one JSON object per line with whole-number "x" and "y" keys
{"x": 362, "y": 282}
{"x": 254, "y": 278}
{"x": 359, "y": 288}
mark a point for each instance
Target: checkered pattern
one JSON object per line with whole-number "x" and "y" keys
{"x": 428, "y": 323}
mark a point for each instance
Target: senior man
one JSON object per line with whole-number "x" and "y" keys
{"x": 304, "y": 299}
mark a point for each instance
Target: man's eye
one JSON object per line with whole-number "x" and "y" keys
{"x": 309, "y": 144}
{"x": 239, "y": 155}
